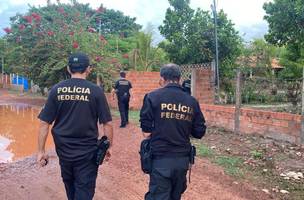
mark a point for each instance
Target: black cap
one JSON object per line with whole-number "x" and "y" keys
{"x": 79, "y": 61}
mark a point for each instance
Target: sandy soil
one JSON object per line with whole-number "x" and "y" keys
{"x": 119, "y": 179}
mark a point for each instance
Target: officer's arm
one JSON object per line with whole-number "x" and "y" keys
{"x": 46, "y": 116}
{"x": 198, "y": 123}
{"x": 43, "y": 133}
{"x": 147, "y": 117}
{"x": 113, "y": 94}
{"x": 114, "y": 90}
{"x": 108, "y": 130}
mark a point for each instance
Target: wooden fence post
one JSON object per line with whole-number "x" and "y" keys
{"x": 238, "y": 101}
{"x": 302, "y": 117}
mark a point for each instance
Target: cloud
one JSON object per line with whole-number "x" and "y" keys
{"x": 9, "y": 10}
{"x": 253, "y": 31}
{"x": 245, "y": 14}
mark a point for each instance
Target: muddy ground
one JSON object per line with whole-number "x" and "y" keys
{"x": 121, "y": 178}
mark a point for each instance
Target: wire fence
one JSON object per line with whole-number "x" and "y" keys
{"x": 268, "y": 93}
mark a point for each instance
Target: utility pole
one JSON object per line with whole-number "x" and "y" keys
{"x": 2, "y": 63}
{"x": 2, "y": 70}
{"x": 302, "y": 116}
{"x": 213, "y": 7}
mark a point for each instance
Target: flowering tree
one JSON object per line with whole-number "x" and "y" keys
{"x": 42, "y": 40}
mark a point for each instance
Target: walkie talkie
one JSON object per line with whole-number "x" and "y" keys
{"x": 103, "y": 145}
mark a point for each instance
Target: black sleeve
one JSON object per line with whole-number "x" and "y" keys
{"x": 130, "y": 85}
{"x": 198, "y": 123}
{"x": 49, "y": 110}
{"x": 103, "y": 110}
{"x": 116, "y": 85}
{"x": 147, "y": 116}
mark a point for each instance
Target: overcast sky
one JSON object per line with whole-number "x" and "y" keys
{"x": 247, "y": 15}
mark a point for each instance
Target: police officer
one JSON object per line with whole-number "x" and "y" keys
{"x": 169, "y": 116}
{"x": 122, "y": 89}
{"x": 187, "y": 85}
{"x": 76, "y": 106}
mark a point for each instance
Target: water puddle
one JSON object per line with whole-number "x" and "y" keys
{"x": 19, "y": 131}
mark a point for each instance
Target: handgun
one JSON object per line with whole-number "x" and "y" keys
{"x": 192, "y": 154}
{"x": 103, "y": 145}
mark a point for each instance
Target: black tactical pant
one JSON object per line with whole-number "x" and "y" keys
{"x": 123, "y": 106}
{"x": 168, "y": 179}
{"x": 79, "y": 178}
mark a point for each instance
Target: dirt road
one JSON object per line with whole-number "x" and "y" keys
{"x": 119, "y": 179}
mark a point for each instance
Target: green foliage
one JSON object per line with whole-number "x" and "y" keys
{"x": 145, "y": 57}
{"x": 292, "y": 60}
{"x": 115, "y": 23}
{"x": 40, "y": 41}
{"x": 257, "y": 154}
{"x": 232, "y": 165}
{"x": 190, "y": 36}
{"x": 286, "y": 28}
{"x": 285, "y": 18}
{"x": 203, "y": 150}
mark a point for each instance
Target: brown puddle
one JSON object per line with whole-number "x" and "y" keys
{"x": 19, "y": 131}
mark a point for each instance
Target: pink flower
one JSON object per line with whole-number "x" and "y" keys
{"x": 125, "y": 56}
{"x": 50, "y": 33}
{"x": 92, "y": 30}
{"x": 102, "y": 39}
{"x": 114, "y": 60}
{"x": 29, "y": 19}
{"x": 71, "y": 33}
{"x": 98, "y": 58}
{"x": 18, "y": 39}
{"x": 36, "y": 16}
{"x": 100, "y": 9}
{"x": 60, "y": 10}
{"x": 75, "y": 45}
{"x": 21, "y": 27}
{"x": 7, "y": 30}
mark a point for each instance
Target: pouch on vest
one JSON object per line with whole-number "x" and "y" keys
{"x": 146, "y": 156}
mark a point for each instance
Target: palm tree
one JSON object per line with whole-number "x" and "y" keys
{"x": 145, "y": 55}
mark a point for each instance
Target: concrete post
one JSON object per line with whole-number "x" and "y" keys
{"x": 238, "y": 102}
{"x": 302, "y": 117}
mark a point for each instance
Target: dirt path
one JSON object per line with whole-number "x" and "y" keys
{"x": 120, "y": 179}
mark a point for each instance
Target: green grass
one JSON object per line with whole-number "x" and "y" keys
{"x": 133, "y": 115}
{"x": 204, "y": 151}
{"x": 257, "y": 154}
{"x": 232, "y": 165}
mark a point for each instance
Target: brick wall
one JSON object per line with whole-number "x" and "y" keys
{"x": 282, "y": 126}
{"x": 144, "y": 82}
{"x": 204, "y": 91}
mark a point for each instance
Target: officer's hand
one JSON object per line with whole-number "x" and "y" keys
{"x": 108, "y": 155}
{"x": 42, "y": 159}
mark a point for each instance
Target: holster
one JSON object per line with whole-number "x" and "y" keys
{"x": 146, "y": 156}
{"x": 103, "y": 145}
{"x": 192, "y": 154}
